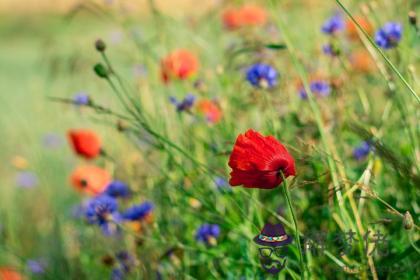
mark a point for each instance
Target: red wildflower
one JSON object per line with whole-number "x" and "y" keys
{"x": 257, "y": 161}
{"x": 180, "y": 64}
{"x": 351, "y": 28}
{"x": 90, "y": 179}
{"x": 85, "y": 143}
{"x": 362, "y": 61}
{"x": 210, "y": 110}
{"x": 9, "y": 274}
{"x": 253, "y": 15}
{"x": 231, "y": 18}
{"x": 247, "y": 15}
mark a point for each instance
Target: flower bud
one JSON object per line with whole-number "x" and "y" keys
{"x": 408, "y": 221}
{"x": 100, "y": 45}
{"x": 101, "y": 70}
{"x": 412, "y": 18}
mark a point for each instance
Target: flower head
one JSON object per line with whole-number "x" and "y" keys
{"x": 180, "y": 64}
{"x": 208, "y": 233}
{"x": 362, "y": 151}
{"x": 259, "y": 161}
{"x": 117, "y": 189}
{"x": 103, "y": 211}
{"x": 247, "y": 15}
{"x": 320, "y": 88}
{"x": 389, "y": 35}
{"x": 333, "y": 25}
{"x": 7, "y": 273}
{"x": 330, "y": 50}
{"x": 210, "y": 110}
{"x": 26, "y": 179}
{"x": 185, "y": 104}
{"x": 351, "y": 28}
{"x": 36, "y": 266}
{"x": 138, "y": 212}
{"x": 262, "y": 75}
{"x": 81, "y": 98}
{"x": 90, "y": 179}
{"x": 253, "y": 15}
{"x": 85, "y": 143}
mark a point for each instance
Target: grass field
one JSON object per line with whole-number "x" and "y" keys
{"x": 353, "y": 137}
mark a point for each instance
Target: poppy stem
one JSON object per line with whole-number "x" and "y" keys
{"x": 292, "y": 211}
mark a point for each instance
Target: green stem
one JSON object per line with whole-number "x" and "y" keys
{"x": 297, "y": 237}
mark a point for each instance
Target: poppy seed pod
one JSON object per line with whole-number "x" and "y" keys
{"x": 100, "y": 45}
{"x": 101, "y": 70}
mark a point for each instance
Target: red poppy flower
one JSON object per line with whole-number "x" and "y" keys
{"x": 9, "y": 274}
{"x": 362, "y": 61}
{"x": 90, "y": 179}
{"x": 180, "y": 64}
{"x": 231, "y": 18}
{"x": 248, "y": 15}
{"x": 253, "y": 15}
{"x": 85, "y": 143}
{"x": 210, "y": 110}
{"x": 351, "y": 28}
{"x": 257, "y": 161}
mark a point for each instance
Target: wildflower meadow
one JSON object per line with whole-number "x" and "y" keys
{"x": 176, "y": 139}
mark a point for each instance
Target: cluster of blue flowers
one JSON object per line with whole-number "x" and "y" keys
{"x": 389, "y": 35}
{"x": 207, "y": 232}
{"x": 102, "y": 210}
{"x": 262, "y": 75}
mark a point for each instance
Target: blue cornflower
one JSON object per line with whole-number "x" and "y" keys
{"x": 208, "y": 233}
{"x": 262, "y": 75}
{"x": 126, "y": 261}
{"x": 103, "y": 211}
{"x": 333, "y": 25}
{"x": 36, "y": 266}
{"x": 81, "y": 98}
{"x": 221, "y": 184}
{"x": 319, "y": 87}
{"x": 330, "y": 50}
{"x": 52, "y": 140}
{"x": 138, "y": 212}
{"x": 26, "y": 179}
{"x": 362, "y": 151}
{"x": 185, "y": 104}
{"x": 389, "y": 35}
{"x": 117, "y": 274}
{"x": 117, "y": 189}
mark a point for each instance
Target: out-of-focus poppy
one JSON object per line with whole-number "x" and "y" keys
{"x": 180, "y": 64}
{"x": 7, "y": 273}
{"x": 361, "y": 61}
{"x": 247, "y": 15}
{"x": 351, "y": 28}
{"x": 253, "y": 15}
{"x": 210, "y": 110}
{"x": 231, "y": 18}
{"x": 258, "y": 161}
{"x": 90, "y": 179}
{"x": 85, "y": 143}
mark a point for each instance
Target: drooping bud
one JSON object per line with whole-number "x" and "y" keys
{"x": 408, "y": 221}
{"x": 101, "y": 70}
{"x": 100, "y": 45}
{"x": 412, "y": 18}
